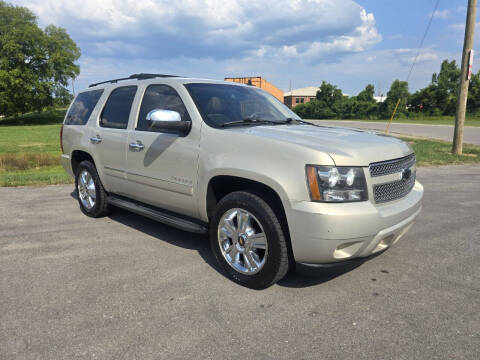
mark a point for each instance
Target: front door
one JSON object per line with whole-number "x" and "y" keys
{"x": 161, "y": 167}
{"x": 109, "y": 139}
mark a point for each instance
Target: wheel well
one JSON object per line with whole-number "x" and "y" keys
{"x": 77, "y": 157}
{"x": 222, "y": 185}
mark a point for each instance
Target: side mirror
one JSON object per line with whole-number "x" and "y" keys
{"x": 168, "y": 121}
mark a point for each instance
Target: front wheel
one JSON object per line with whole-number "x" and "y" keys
{"x": 248, "y": 241}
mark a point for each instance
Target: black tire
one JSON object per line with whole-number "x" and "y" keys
{"x": 277, "y": 259}
{"x": 100, "y": 208}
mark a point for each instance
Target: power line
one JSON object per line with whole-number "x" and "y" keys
{"x": 423, "y": 39}
{"x": 420, "y": 46}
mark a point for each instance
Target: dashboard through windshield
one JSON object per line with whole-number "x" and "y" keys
{"x": 223, "y": 104}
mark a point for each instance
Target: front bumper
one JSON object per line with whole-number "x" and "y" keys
{"x": 324, "y": 233}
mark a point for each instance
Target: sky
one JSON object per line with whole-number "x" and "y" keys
{"x": 295, "y": 43}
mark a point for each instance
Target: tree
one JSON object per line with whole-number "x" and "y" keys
{"x": 398, "y": 90}
{"x": 63, "y": 97}
{"x": 367, "y": 94}
{"x": 440, "y": 96}
{"x": 424, "y": 101}
{"x": 329, "y": 94}
{"x": 330, "y": 103}
{"x": 446, "y": 83}
{"x": 35, "y": 64}
{"x": 473, "y": 102}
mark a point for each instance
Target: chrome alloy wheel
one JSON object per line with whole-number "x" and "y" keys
{"x": 242, "y": 241}
{"x": 86, "y": 190}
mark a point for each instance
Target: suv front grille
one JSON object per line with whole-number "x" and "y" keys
{"x": 393, "y": 190}
{"x": 391, "y": 166}
{"x": 397, "y": 189}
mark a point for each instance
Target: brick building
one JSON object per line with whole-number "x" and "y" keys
{"x": 300, "y": 96}
{"x": 259, "y": 82}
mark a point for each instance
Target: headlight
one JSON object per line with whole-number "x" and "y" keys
{"x": 336, "y": 184}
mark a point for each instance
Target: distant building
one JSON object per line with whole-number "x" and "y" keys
{"x": 380, "y": 98}
{"x": 300, "y": 96}
{"x": 259, "y": 82}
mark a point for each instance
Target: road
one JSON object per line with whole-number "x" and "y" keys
{"x": 125, "y": 287}
{"x": 441, "y": 132}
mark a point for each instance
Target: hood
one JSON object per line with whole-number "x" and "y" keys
{"x": 346, "y": 146}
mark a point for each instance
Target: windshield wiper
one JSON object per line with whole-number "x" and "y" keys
{"x": 291, "y": 120}
{"x": 249, "y": 121}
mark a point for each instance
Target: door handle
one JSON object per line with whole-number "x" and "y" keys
{"x": 136, "y": 146}
{"x": 96, "y": 140}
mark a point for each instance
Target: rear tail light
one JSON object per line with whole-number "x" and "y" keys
{"x": 61, "y": 138}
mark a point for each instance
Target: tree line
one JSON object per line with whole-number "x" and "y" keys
{"x": 35, "y": 64}
{"x": 437, "y": 99}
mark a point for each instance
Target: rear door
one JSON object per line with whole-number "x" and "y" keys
{"x": 109, "y": 138}
{"x": 162, "y": 173}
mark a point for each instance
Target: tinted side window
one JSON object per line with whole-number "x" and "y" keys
{"x": 117, "y": 109}
{"x": 82, "y": 107}
{"x": 161, "y": 97}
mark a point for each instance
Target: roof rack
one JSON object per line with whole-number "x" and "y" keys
{"x": 141, "y": 76}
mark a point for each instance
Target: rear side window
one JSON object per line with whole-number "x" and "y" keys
{"x": 82, "y": 107}
{"x": 161, "y": 97}
{"x": 116, "y": 112}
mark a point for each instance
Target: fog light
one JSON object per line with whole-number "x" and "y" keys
{"x": 347, "y": 250}
{"x": 387, "y": 240}
{"x": 384, "y": 243}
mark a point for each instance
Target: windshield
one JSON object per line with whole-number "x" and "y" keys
{"x": 220, "y": 104}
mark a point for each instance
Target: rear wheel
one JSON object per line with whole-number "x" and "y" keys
{"x": 90, "y": 192}
{"x": 248, "y": 241}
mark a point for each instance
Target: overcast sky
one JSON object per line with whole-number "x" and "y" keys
{"x": 348, "y": 43}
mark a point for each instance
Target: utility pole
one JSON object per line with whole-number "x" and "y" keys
{"x": 464, "y": 78}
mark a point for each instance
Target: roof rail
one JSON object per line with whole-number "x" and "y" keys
{"x": 141, "y": 76}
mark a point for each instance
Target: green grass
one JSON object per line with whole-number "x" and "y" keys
{"x": 30, "y": 151}
{"x": 48, "y": 175}
{"x": 436, "y": 152}
{"x": 30, "y": 139}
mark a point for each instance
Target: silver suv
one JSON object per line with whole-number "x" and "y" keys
{"x": 231, "y": 160}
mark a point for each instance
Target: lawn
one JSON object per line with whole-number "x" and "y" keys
{"x": 435, "y": 152}
{"x": 30, "y": 151}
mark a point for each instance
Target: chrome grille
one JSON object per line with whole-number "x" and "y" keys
{"x": 391, "y": 166}
{"x": 393, "y": 190}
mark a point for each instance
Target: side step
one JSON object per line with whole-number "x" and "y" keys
{"x": 154, "y": 214}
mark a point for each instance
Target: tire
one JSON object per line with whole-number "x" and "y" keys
{"x": 268, "y": 253}
{"x": 94, "y": 190}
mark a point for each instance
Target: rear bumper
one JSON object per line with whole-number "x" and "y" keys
{"x": 326, "y": 233}
{"x": 66, "y": 162}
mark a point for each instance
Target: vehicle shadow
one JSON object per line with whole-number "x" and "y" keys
{"x": 303, "y": 275}
{"x": 306, "y": 276}
{"x": 165, "y": 233}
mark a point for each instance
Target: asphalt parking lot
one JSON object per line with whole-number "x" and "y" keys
{"x": 125, "y": 287}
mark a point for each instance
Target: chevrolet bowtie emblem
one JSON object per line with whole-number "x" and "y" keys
{"x": 406, "y": 173}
